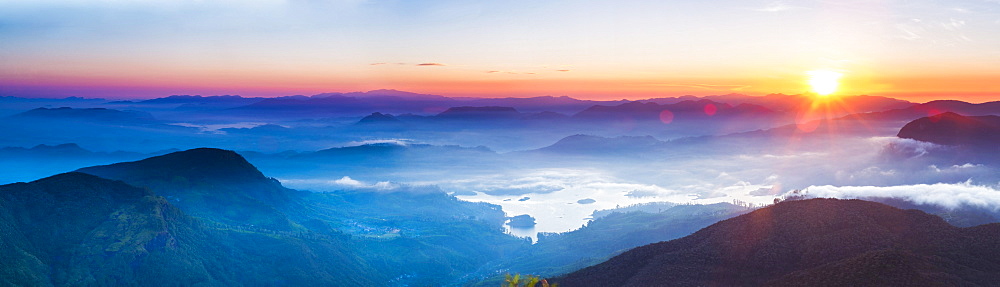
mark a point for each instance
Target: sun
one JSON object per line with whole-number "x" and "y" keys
{"x": 824, "y": 82}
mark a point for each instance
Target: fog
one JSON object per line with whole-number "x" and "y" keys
{"x": 556, "y": 167}
{"x": 749, "y": 170}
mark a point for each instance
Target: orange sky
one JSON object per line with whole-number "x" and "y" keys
{"x": 916, "y": 50}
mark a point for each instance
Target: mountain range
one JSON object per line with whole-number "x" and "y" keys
{"x": 826, "y": 242}
{"x": 207, "y": 216}
{"x": 389, "y": 173}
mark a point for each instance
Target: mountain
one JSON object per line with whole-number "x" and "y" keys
{"x": 67, "y": 149}
{"x": 10, "y": 105}
{"x": 87, "y": 115}
{"x": 688, "y": 110}
{"x": 933, "y": 108}
{"x": 337, "y": 104}
{"x": 953, "y": 129}
{"x": 371, "y": 157}
{"x": 389, "y": 94}
{"x": 244, "y": 228}
{"x": 602, "y": 146}
{"x": 619, "y": 231}
{"x": 561, "y": 104}
{"x": 987, "y": 108}
{"x": 794, "y": 103}
{"x": 826, "y": 242}
{"x": 214, "y": 183}
{"x": 378, "y": 117}
{"x": 479, "y": 113}
{"x": 390, "y": 151}
{"x": 47, "y": 160}
{"x": 195, "y": 103}
{"x": 79, "y": 229}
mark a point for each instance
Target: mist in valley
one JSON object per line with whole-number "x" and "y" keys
{"x": 602, "y": 176}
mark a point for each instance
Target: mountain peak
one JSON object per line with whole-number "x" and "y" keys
{"x": 202, "y": 181}
{"x": 488, "y": 112}
{"x": 378, "y": 117}
{"x": 836, "y": 242}
{"x": 92, "y": 114}
{"x": 950, "y": 128}
{"x": 201, "y": 164}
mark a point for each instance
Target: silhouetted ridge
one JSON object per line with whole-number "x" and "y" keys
{"x": 479, "y": 113}
{"x": 377, "y": 117}
{"x": 596, "y": 145}
{"x": 819, "y": 241}
{"x": 81, "y": 187}
{"x": 683, "y": 110}
{"x": 213, "y": 183}
{"x": 200, "y": 164}
{"x": 66, "y": 148}
{"x": 90, "y": 114}
{"x": 953, "y": 129}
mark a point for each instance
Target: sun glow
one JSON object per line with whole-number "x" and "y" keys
{"x": 824, "y": 82}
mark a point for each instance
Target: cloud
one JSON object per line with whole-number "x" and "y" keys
{"x": 910, "y": 31}
{"x": 562, "y": 70}
{"x": 509, "y": 72}
{"x": 908, "y": 148}
{"x": 348, "y": 181}
{"x": 378, "y": 64}
{"x": 522, "y": 189}
{"x": 947, "y": 195}
{"x": 399, "y": 142}
{"x": 953, "y": 24}
{"x": 431, "y": 64}
{"x": 642, "y": 193}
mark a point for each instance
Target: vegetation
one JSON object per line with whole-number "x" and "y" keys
{"x": 227, "y": 224}
{"x": 616, "y": 232}
{"x": 413, "y": 237}
{"x": 812, "y": 242}
{"x": 78, "y": 229}
{"x": 528, "y": 281}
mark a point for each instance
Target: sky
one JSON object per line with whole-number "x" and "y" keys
{"x": 918, "y": 50}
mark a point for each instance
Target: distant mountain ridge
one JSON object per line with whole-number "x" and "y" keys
{"x": 488, "y": 112}
{"x": 811, "y": 242}
{"x": 601, "y": 146}
{"x": 86, "y": 114}
{"x": 378, "y": 117}
{"x": 680, "y": 111}
{"x": 932, "y": 108}
{"x": 953, "y": 129}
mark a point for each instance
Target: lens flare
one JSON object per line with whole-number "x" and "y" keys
{"x": 824, "y": 82}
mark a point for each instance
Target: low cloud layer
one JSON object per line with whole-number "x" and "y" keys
{"x": 348, "y": 183}
{"x": 947, "y": 195}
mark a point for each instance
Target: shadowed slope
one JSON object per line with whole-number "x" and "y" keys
{"x": 954, "y": 129}
{"x": 819, "y": 241}
{"x": 79, "y": 229}
{"x": 208, "y": 182}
